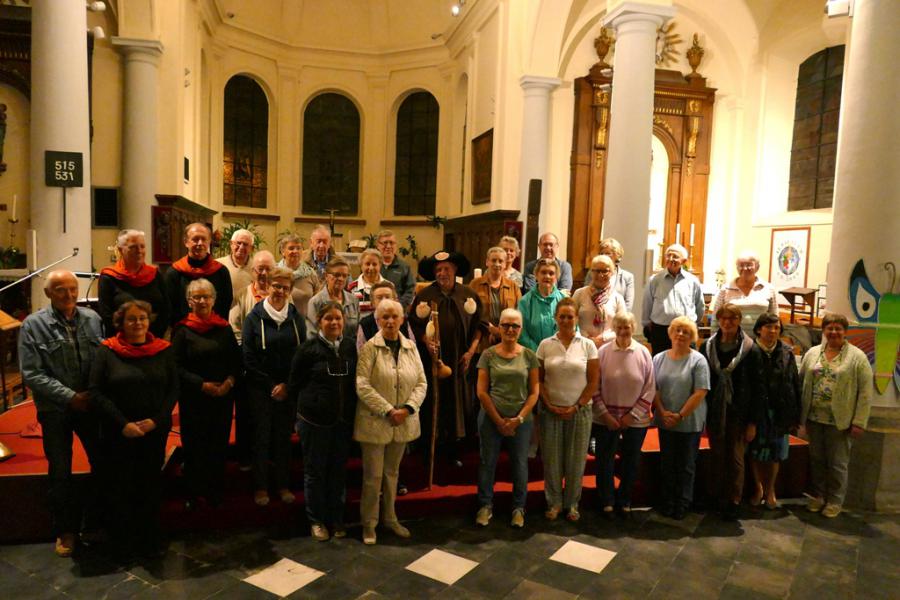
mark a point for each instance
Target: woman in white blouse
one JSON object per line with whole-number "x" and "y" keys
{"x": 598, "y": 302}
{"x": 753, "y": 295}
{"x": 569, "y": 375}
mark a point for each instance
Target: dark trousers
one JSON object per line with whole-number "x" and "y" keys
{"x": 325, "y": 452}
{"x": 726, "y": 474}
{"x": 659, "y": 338}
{"x": 243, "y": 422}
{"x": 678, "y": 459}
{"x": 273, "y": 423}
{"x": 135, "y": 486}
{"x": 205, "y": 428}
{"x": 65, "y": 504}
{"x": 628, "y": 443}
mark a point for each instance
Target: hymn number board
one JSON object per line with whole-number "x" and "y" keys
{"x": 63, "y": 169}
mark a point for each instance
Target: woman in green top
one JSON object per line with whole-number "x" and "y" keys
{"x": 539, "y": 305}
{"x": 837, "y": 389}
{"x": 507, "y": 390}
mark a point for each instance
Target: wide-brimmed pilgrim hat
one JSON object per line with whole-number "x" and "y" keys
{"x": 427, "y": 265}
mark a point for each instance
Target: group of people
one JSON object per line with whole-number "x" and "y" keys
{"x": 298, "y": 345}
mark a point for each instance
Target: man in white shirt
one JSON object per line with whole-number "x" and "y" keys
{"x": 674, "y": 292}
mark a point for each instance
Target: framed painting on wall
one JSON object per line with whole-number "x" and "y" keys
{"x": 482, "y": 161}
{"x": 788, "y": 258}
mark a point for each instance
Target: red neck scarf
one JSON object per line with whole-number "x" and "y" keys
{"x": 151, "y": 347}
{"x": 142, "y": 277}
{"x": 201, "y": 326}
{"x": 208, "y": 268}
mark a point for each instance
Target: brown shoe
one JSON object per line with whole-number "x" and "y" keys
{"x": 65, "y": 545}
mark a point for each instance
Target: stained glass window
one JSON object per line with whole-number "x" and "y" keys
{"x": 331, "y": 155}
{"x": 246, "y": 132}
{"x": 415, "y": 172}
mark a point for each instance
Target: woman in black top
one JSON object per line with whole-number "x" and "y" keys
{"x": 131, "y": 278}
{"x": 209, "y": 364}
{"x": 777, "y": 393}
{"x": 323, "y": 380}
{"x": 271, "y": 334}
{"x": 730, "y": 409}
{"x": 134, "y": 384}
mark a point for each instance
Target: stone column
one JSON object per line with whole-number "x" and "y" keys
{"x": 627, "y": 195}
{"x": 866, "y": 225}
{"x": 59, "y": 122}
{"x": 535, "y": 143}
{"x": 140, "y": 120}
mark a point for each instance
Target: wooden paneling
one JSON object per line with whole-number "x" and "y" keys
{"x": 473, "y": 235}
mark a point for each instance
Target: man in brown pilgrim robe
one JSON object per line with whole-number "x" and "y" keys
{"x": 461, "y": 328}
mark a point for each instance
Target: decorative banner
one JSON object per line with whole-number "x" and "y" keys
{"x": 879, "y": 338}
{"x": 789, "y": 259}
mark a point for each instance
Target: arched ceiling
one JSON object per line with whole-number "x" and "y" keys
{"x": 368, "y": 26}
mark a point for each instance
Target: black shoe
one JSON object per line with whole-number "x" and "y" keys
{"x": 679, "y": 513}
{"x": 731, "y": 512}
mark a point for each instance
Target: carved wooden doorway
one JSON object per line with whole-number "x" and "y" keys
{"x": 682, "y": 122}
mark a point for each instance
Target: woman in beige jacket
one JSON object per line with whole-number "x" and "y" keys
{"x": 390, "y": 382}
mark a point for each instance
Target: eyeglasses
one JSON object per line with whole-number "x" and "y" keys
{"x": 279, "y": 287}
{"x": 200, "y": 298}
{"x": 139, "y": 319}
{"x": 513, "y": 326}
{"x": 339, "y": 275}
{"x": 601, "y": 271}
{"x": 338, "y": 367}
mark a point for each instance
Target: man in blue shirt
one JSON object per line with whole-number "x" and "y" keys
{"x": 56, "y": 348}
{"x": 549, "y": 247}
{"x": 674, "y": 292}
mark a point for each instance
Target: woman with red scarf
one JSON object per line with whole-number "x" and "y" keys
{"x": 209, "y": 364}
{"x": 134, "y": 384}
{"x": 598, "y": 302}
{"x": 131, "y": 278}
{"x": 198, "y": 263}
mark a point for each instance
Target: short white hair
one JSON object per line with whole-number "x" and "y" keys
{"x": 239, "y": 232}
{"x": 511, "y": 313}
{"x": 748, "y": 255}
{"x": 263, "y": 255}
{"x": 200, "y": 284}
{"x": 679, "y": 249}
{"x": 127, "y": 233}
{"x": 386, "y": 305}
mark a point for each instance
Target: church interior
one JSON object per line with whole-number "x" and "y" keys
{"x": 726, "y": 126}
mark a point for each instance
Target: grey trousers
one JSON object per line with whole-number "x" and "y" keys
{"x": 564, "y": 447}
{"x": 381, "y": 467}
{"x": 829, "y": 455}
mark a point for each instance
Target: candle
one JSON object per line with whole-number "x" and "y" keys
{"x": 692, "y": 234}
{"x": 677, "y": 233}
{"x": 15, "y": 199}
{"x": 476, "y": 273}
{"x": 602, "y": 229}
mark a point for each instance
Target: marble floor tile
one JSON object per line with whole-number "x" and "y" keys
{"x": 442, "y": 566}
{"x": 284, "y": 577}
{"x": 583, "y": 556}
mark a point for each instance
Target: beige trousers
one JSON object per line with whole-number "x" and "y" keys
{"x": 381, "y": 467}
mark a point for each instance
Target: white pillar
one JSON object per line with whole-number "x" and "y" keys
{"x": 59, "y": 122}
{"x": 867, "y": 174}
{"x": 535, "y": 142}
{"x": 140, "y": 121}
{"x": 627, "y": 196}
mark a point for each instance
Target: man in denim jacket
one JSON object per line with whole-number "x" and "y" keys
{"x": 56, "y": 348}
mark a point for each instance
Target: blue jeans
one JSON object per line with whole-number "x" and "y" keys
{"x": 490, "y": 441}
{"x": 608, "y": 442}
{"x": 678, "y": 459}
{"x": 325, "y": 452}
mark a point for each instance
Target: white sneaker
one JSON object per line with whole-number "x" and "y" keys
{"x": 368, "y": 536}
{"x": 518, "y": 518}
{"x": 831, "y": 510}
{"x": 484, "y": 516}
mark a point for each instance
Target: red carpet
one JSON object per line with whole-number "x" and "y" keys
{"x": 24, "y": 506}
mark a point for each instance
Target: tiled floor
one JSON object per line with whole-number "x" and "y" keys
{"x": 785, "y": 554}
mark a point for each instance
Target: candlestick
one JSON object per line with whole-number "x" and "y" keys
{"x": 692, "y": 235}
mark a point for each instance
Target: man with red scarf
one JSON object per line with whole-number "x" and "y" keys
{"x": 198, "y": 263}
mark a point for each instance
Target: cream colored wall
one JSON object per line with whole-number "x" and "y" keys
{"x": 15, "y": 181}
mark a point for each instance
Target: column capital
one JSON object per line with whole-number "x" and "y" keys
{"x": 638, "y": 11}
{"x": 538, "y": 82}
{"x": 129, "y": 46}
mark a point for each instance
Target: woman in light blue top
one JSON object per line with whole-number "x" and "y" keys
{"x": 682, "y": 380}
{"x": 539, "y": 305}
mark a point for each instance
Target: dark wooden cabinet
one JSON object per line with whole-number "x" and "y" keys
{"x": 173, "y": 214}
{"x": 474, "y": 235}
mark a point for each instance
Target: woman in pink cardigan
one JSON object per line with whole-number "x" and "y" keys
{"x": 621, "y": 413}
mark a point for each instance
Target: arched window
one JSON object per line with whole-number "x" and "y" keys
{"x": 415, "y": 171}
{"x": 331, "y": 155}
{"x": 814, "y": 146}
{"x": 246, "y": 131}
